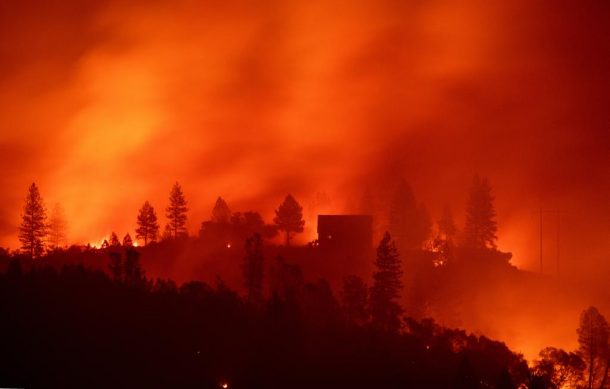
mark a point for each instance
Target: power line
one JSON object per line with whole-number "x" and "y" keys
{"x": 557, "y": 238}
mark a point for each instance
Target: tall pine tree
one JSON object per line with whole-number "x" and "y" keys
{"x": 114, "y": 240}
{"x": 57, "y": 228}
{"x": 409, "y": 222}
{"x": 33, "y": 229}
{"x": 387, "y": 285}
{"x": 481, "y": 227}
{"x": 176, "y": 211}
{"x": 148, "y": 228}
{"x": 221, "y": 212}
{"x": 289, "y": 217}
{"x": 253, "y": 269}
{"x": 127, "y": 241}
{"x": 593, "y": 336}
{"x": 354, "y": 299}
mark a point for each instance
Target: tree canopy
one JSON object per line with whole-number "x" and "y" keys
{"x": 481, "y": 226}
{"x": 593, "y": 336}
{"x": 148, "y": 228}
{"x": 387, "y": 286}
{"x": 253, "y": 270}
{"x": 221, "y": 213}
{"x": 33, "y": 229}
{"x": 57, "y": 228}
{"x": 289, "y": 217}
{"x": 176, "y": 211}
{"x": 409, "y": 222}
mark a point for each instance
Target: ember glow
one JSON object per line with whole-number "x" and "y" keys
{"x": 106, "y": 105}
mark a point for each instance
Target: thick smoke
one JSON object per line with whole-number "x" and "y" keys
{"x": 105, "y": 105}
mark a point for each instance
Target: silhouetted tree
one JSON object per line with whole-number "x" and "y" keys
{"x": 114, "y": 240}
{"x": 387, "y": 286}
{"x": 148, "y": 228}
{"x": 221, "y": 212}
{"x": 33, "y": 228}
{"x": 127, "y": 241}
{"x": 176, "y": 211}
{"x": 355, "y": 300}
{"x": 105, "y": 244}
{"x": 254, "y": 223}
{"x": 246, "y": 224}
{"x": 286, "y": 280}
{"x": 168, "y": 234}
{"x": 252, "y": 269}
{"x": 481, "y": 227}
{"x": 289, "y": 217}
{"x": 593, "y": 334}
{"x": 557, "y": 368}
{"x": 116, "y": 266}
{"x": 57, "y": 228}
{"x": 466, "y": 377}
{"x": 409, "y": 222}
{"x": 319, "y": 304}
{"x": 133, "y": 275}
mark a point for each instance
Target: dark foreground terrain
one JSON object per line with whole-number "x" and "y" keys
{"x": 80, "y": 327}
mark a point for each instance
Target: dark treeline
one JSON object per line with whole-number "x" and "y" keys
{"x": 78, "y": 327}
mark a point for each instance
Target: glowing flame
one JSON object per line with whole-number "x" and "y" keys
{"x": 98, "y": 243}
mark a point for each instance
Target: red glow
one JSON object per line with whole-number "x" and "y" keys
{"x": 322, "y": 101}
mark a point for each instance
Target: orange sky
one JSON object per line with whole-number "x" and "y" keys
{"x": 106, "y": 104}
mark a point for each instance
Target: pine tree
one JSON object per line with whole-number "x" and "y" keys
{"x": 354, "y": 299}
{"x": 408, "y": 222}
{"x": 33, "y": 228}
{"x": 481, "y": 227}
{"x": 593, "y": 336}
{"x": 148, "y": 228}
{"x": 133, "y": 274}
{"x": 289, "y": 217}
{"x": 253, "y": 269}
{"x": 387, "y": 286}
{"x": 57, "y": 228}
{"x": 221, "y": 212}
{"x": 168, "y": 233}
{"x": 115, "y": 266}
{"x": 176, "y": 211}
{"x": 114, "y": 240}
{"x": 127, "y": 241}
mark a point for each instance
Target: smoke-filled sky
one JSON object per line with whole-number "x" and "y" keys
{"x": 106, "y": 103}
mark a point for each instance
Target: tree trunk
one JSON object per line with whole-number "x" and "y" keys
{"x": 287, "y": 238}
{"x": 602, "y": 385}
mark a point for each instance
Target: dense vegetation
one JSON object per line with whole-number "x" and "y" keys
{"x": 77, "y": 327}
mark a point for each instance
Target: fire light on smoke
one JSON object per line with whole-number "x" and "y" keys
{"x": 311, "y": 98}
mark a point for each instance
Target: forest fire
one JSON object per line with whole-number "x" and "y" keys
{"x": 301, "y": 189}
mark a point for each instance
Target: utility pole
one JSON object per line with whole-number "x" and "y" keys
{"x": 557, "y": 238}
{"x": 541, "y": 269}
